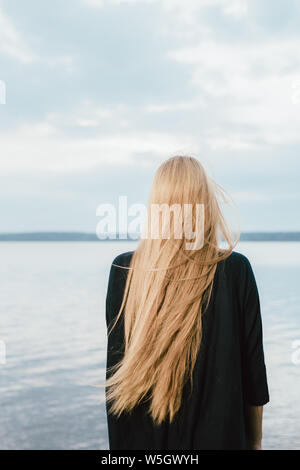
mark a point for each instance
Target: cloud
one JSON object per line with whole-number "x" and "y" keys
{"x": 263, "y": 196}
{"x": 174, "y": 106}
{"x": 103, "y": 3}
{"x": 11, "y": 41}
{"x": 236, "y": 8}
{"x": 42, "y": 147}
{"x": 252, "y": 85}
{"x": 100, "y": 92}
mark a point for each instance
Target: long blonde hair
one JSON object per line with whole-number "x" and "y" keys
{"x": 166, "y": 291}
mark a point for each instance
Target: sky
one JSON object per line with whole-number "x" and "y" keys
{"x": 99, "y": 92}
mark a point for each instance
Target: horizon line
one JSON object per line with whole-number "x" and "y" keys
{"x": 80, "y": 236}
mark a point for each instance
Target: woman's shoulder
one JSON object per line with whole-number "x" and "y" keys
{"x": 123, "y": 259}
{"x": 237, "y": 258}
{"x": 234, "y": 260}
{"x": 238, "y": 265}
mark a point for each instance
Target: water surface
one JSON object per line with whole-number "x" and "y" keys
{"x": 52, "y": 321}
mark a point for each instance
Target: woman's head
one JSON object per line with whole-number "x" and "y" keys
{"x": 179, "y": 179}
{"x": 168, "y": 286}
{"x": 184, "y": 201}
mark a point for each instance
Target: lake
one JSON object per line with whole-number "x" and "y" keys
{"x": 52, "y": 321}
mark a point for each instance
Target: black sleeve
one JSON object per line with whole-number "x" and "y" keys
{"x": 111, "y": 295}
{"x": 115, "y": 289}
{"x": 114, "y": 296}
{"x": 254, "y": 370}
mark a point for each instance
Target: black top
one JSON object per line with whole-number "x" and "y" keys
{"x": 229, "y": 372}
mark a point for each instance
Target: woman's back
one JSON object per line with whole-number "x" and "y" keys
{"x": 229, "y": 371}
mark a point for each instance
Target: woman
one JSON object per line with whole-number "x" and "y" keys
{"x": 185, "y": 360}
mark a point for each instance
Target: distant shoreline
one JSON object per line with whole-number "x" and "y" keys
{"x": 92, "y": 237}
